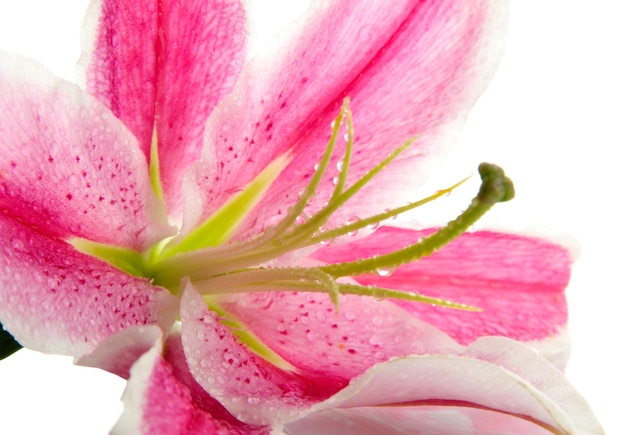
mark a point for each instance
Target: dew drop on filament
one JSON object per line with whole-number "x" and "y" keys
{"x": 384, "y": 271}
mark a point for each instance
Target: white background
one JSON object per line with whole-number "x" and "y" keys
{"x": 554, "y": 117}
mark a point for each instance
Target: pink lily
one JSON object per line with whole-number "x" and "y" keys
{"x": 178, "y": 124}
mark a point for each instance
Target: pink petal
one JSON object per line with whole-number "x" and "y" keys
{"x": 252, "y": 389}
{"x": 69, "y": 167}
{"x": 517, "y": 281}
{"x": 306, "y": 331}
{"x": 55, "y": 299}
{"x": 494, "y": 374}
{"x": 156, "y": 401}
{"x": 168, "y": 63}
{"x": 409, "y": 68}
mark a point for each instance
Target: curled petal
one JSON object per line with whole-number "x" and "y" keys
{"x": 157, "y": 401}
{"x": 69, "y": 167}
{"x": 496, "y": 384}
{"x": 414, "y": 71}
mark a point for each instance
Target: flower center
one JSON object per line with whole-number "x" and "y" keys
{"x": 214, "y": 266}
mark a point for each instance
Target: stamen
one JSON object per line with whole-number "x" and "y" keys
{"x": 496, "y": 187}
{"x": 317, "y": 286}
{"x": 215, "y": 268}
{"x": 376, "y": 219}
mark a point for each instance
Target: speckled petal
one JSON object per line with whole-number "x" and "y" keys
{"x": 306, "y": 330}
{"x": 409, "y": 67}
{"x": 69, "y": 167}
{"x": 252, "y": 389}
{"x": 57, "y": 300}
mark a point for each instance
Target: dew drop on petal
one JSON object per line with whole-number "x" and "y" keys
{"x": 378, "y": 321}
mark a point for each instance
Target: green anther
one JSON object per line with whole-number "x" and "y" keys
{"x": 495, "y": 187}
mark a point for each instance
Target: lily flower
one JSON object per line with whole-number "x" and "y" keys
{"x": 178, "y": 220}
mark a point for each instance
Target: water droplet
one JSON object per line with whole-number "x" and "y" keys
{"x": 281, "y": 328}
{"x": 346, "y": 137}
{"x": 349, "y": 315}
{"x": 387, "y": 210}
{"x": 332, "y": 124}
{"x": 378, "y": 321}
{"x": 384, "y": 271}
{"x": 321, "y": 316}
{"x": 327, "y": 242}
{"x": 17, "y": 244}
{"x": 254, "y": 400}
{"x": 316, "y": 166}
{"x": 376, "y": 341}
{"x": 351, "y": 221}
{"x": 302, "y": 218}
{"x": 335, "y": 180}
{"x": 340, "y": 165}
{"x": 374, "y": 226}
{"x": 311, "y": 336}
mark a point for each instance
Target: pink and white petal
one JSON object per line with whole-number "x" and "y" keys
{"x": 494, "y": 373}
{"x": 119, "y": 61}
{"x": 416, "y": 70}
{"x": 157, "y": 402}
{"x": 451, "y": 419}
{"x": 249, "y": 387}
{"x": 200, "y": 56}
{"x": 117, "y": 353}
{"x": 306, "y": 331}
{"x": 69, "y": 167}
{"x": 55, "y": 299}
{"x": 165, "y": 65}
{"x": 517, "y": 281}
